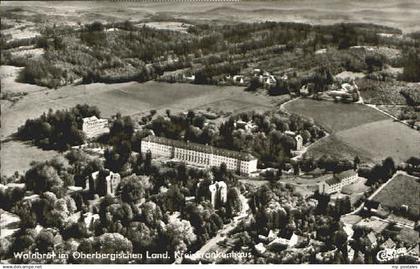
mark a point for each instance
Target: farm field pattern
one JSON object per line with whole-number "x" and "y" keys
{"x": 358, "y": 130}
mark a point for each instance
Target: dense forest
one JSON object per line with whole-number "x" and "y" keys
{"x": 127, "y": 51}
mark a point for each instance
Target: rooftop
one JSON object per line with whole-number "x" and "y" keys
{"x": 336, "y": 178}
{"x": 200, "y": 147}
{"x": 332, "y": 181}
{"x": 346, "y": 174}
{"x": 87, "y": 119}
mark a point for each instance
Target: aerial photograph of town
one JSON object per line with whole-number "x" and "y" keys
{"x": 210, "y": 132}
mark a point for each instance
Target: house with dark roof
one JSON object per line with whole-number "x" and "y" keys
{"x": 199, "y": 154}
{"x": 335, "y": 182}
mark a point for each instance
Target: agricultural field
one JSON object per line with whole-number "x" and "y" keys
{"x": 333, "y": 146}
{"x": 371, "y": 142}
{"x": 402, "y": 190}
{"x": 130, "y": 99}
{"x": 172, "y": 26}
{"x": 8, "y": 76}
{"x": 334, "y": 117}
{"x": 357, "y": 130}
{"x": 380, "y": 139}
{"x": 17, "y": 156}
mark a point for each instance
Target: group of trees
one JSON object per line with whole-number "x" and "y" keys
{"x": 379, "y": 173}
{"x": 115, "y": 56}
{"x": 268, "y": 141}
{"x": 341, "y": 206}
{"x": 10, "y": 196}
{"x": 412, "y": 166}
{"x": 328, "y": 163}
{"x": 57, "y": 130}
{"x": 52, "y": 176}
{"x": 411, "y": 65}
{"x": 142, "y": 217}
{"x": 124, "y": 51}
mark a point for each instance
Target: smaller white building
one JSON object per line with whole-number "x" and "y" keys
{"x": 112, "y": 181}
{"x": 286, "y": 242}
{"x": 218, "y": 193}
{"x": 299, "y": 142}
{"x": 249, "y": 126}
{"x": 190, "y": 78}
{"x": 93, "y": 127}
{"x": 337, "y": 181}
{"x": 238, "y": 79}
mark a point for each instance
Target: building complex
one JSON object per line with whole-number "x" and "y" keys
{"x": 200, "y": 155}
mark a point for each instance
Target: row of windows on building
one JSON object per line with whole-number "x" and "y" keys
{"x": 199, "y": 158}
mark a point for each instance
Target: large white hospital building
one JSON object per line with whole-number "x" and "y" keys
{"x": 198, "y": 154}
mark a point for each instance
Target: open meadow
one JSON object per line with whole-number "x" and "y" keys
{"x": 402, "y": 190}
{"x": 18, "y": 155}
{"x": 130, "y": 99}
{"x": 358, "y": 130}
{"x": 385, "y": 138}
{"x": 372, "y": 142}
{"x": 332, "y": 116}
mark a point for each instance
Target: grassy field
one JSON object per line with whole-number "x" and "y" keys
{"x": 381, "y": 139}
{"x": 402, "y": 190}
{"x": 8, "y": 75}
{"x": 17, "y": 156}
{"x": 358, "y": 130}
{"x": 130, "y": 99}
{"x": 333, "y": 146}
{"x": 334, "y": 116}
{"x": 372, "y": 142}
